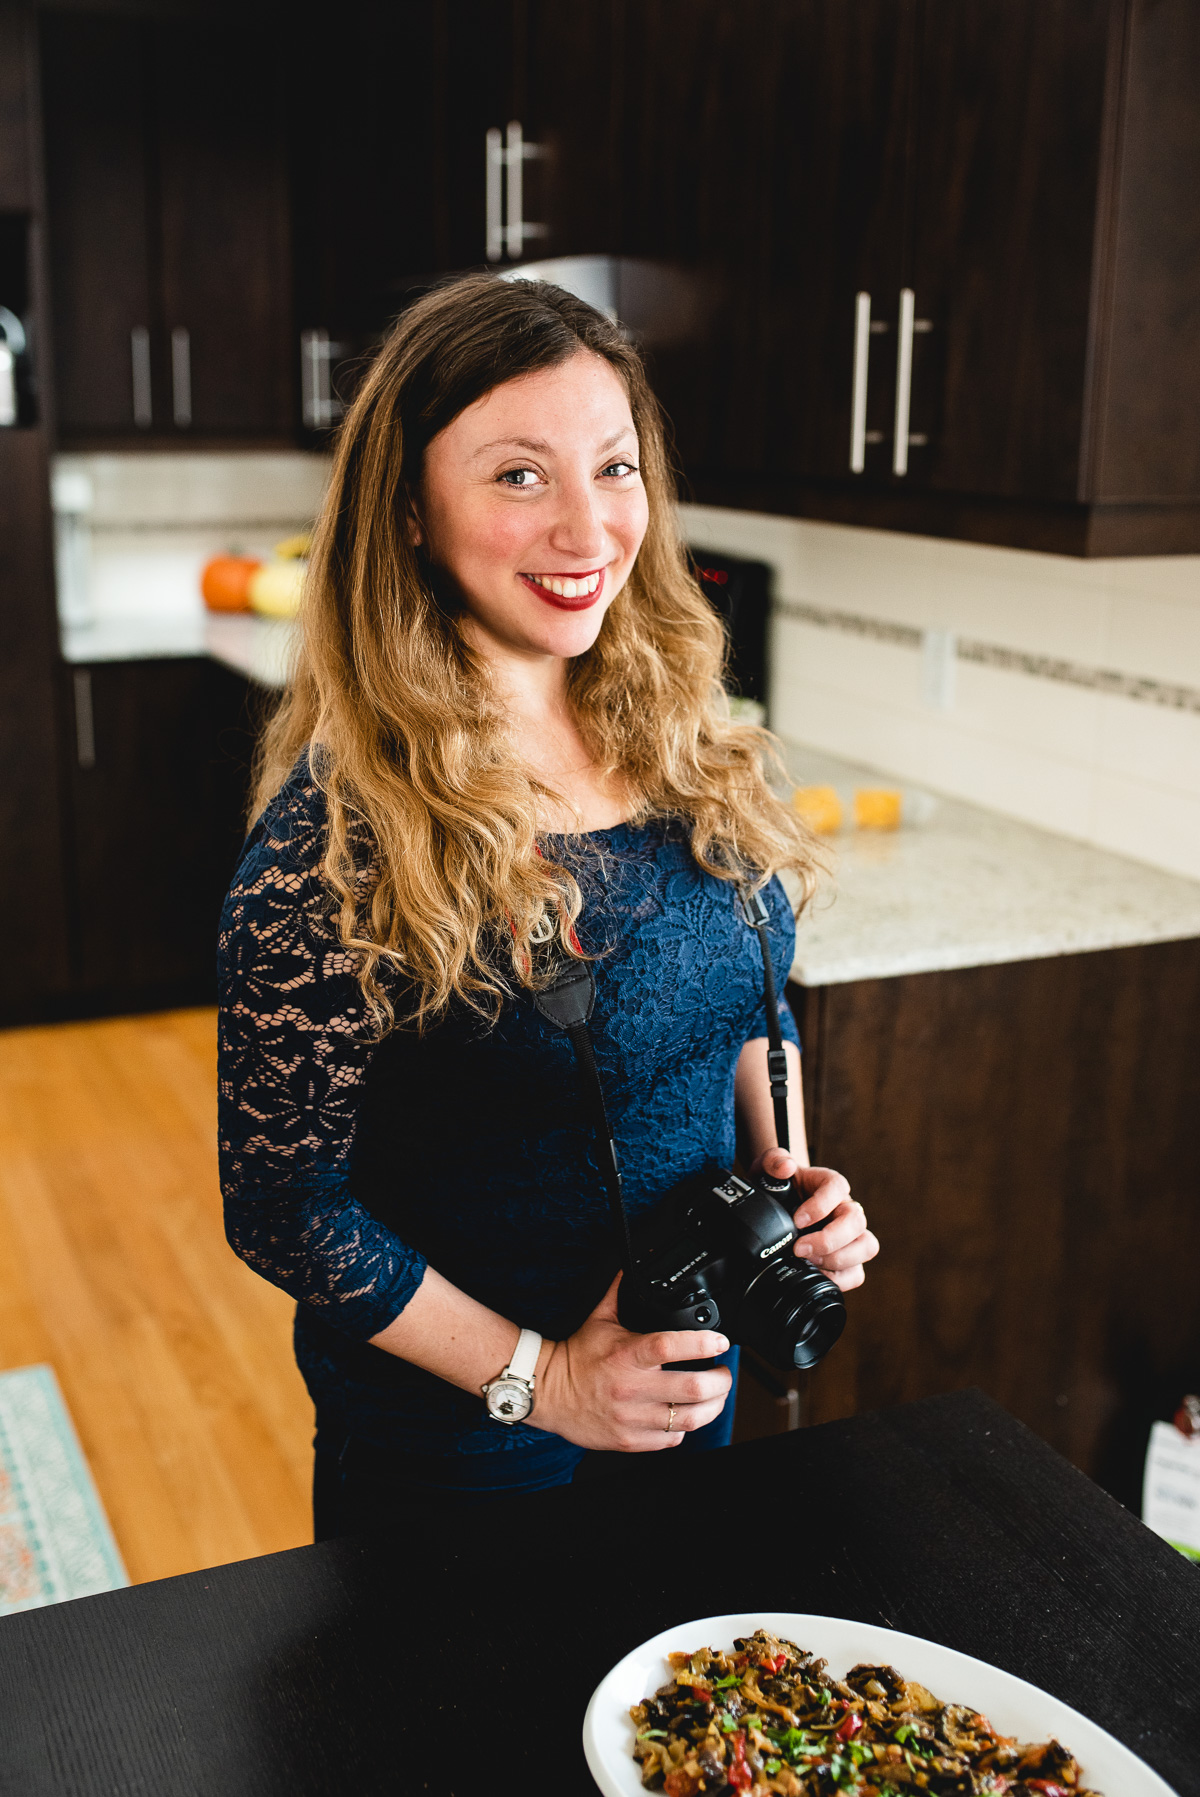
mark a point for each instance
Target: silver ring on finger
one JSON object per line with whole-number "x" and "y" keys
{"x": 670, "y": 1418}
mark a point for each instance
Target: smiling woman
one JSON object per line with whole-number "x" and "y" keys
{"x": 506, "y": 745}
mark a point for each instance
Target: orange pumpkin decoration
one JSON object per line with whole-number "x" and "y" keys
{"x": 225, "y": 582}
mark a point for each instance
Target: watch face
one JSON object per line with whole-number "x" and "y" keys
{"x": 508, "y": 1401}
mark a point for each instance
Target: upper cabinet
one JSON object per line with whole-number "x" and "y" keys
{"x": 167, "y": 206}
{"x": 945, "y": 257}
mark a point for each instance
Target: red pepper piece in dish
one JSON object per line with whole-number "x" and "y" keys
{"x": 739, "y": 1774}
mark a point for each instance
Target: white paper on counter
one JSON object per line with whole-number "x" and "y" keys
{"x": 1171, "y": 1491}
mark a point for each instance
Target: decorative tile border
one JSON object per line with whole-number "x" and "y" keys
{"x": 995, "y": 655}
{"x": 903, "y": 636}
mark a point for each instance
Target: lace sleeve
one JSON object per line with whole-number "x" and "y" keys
{"x": 293, "y": 1051}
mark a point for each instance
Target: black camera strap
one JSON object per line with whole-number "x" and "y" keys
{"x": 759, "y": 918}
{"x": 567, "y": 1003}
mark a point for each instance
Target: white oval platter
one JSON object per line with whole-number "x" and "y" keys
{"x": 1011, "y": 1705}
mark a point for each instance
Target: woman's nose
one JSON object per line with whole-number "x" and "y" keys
{"x": 578, "y": 528}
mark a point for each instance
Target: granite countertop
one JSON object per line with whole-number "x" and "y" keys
{"x": 967, "y": 887}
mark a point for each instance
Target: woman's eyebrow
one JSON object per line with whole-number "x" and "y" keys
{"x": 538, "y": 446}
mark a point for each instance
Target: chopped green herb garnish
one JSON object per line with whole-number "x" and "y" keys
{"x": 723, "y": 1684}
{"x": 903, "y": 1734}
{"x": 771, "y": 1767}
{"x": 653, "y": 1734}
{"x": 791, "y": 1742}
{"x": 823, "y": 1698}
{"x": 726, "y": 1723}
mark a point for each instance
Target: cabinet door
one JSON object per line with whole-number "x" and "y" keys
{"x": 222, "y": 175}
{"x": 367, "y": 167}
{"x": 475, "y": 65}
{"x": 1007, "y": 167}
{"x": 840, "y": 94}
{"x": 94, "y": 102}
{"x": 33, "y": 924}
{"x": 696, "y": 134}
{"x": 564, "y": 93}
{"x": 158, "y": 788}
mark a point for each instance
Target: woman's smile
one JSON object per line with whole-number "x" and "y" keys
{"x": 568, "y": 592}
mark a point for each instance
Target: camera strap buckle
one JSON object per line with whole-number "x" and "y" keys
{"x": 753, "y": 908}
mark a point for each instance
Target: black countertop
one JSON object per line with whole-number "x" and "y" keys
{"x": 408, "y": 1666}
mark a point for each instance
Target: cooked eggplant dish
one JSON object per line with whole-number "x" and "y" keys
{"x": 768, "y": 1717}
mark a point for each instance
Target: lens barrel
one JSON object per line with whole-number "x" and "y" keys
{"x": 791, "y": 1315}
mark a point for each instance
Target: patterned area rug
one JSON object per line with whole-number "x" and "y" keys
{"x": 55, "y": 1541}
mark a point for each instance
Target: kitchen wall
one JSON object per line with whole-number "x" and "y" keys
{"x": 133, "y": 532}
{"x": 1061, "y": 691}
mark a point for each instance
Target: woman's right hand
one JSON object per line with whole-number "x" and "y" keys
{"x": 607, "y": 1388}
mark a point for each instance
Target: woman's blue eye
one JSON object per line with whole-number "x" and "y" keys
{"x": 620, "y": 469}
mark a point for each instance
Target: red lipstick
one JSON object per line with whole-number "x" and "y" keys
{"x": 560, "y": 602}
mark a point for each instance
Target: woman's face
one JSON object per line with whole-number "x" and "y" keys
{"x": 532, "y": 501}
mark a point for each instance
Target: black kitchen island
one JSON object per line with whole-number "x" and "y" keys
{"x": 462, "y": 1661}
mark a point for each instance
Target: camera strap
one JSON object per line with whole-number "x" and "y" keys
{"x": 758, "y": 917}
{"x": 567, "y": 1003}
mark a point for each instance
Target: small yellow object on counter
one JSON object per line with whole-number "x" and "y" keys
{"x": 820, "y": 808}
{"x": 274, "y": 589}
{"x": 294, "y": 548}
{"x": 877, "y": 808}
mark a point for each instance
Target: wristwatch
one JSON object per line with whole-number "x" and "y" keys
{"x": 509, "y": 1398}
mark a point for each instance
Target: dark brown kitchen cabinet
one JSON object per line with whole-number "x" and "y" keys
{"x": 33, "y": 926}
{"x": 975, "y": 216}
{"x": 763, "y": 174}
{"x": 34, "y": 963}
{"x": 167, "y": 200}
{"x": 1023, "y": 1140}
{"x": 391, "y": 182}
{"x": 160, "y": 757}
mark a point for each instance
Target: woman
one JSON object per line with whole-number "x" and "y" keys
{"x": 505, "y": 725}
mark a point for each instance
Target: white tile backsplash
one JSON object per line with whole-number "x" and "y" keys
{"x": 247, "y": 486}
{"x": 1120, "y": 773}
{"x": 149, "y": 522}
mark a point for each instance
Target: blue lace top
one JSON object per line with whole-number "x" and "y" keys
{"x": 348, "y": 1165}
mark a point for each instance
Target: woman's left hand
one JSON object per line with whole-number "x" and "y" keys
{"x": 844, "y": 1242}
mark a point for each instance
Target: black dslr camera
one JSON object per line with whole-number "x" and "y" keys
{"x": 717, "y": 1253}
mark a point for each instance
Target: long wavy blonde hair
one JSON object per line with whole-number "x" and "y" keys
{"x": 431, "y": 854}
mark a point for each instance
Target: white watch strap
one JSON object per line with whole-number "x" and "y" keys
{"x": 523, "y": 1364}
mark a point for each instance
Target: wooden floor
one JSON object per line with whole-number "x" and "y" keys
{"x": 174, "y": 1358}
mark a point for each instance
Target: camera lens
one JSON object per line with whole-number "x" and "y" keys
{"x": 791, "y": 1315}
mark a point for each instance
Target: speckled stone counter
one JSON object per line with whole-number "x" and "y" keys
{"x": 967, "y": 887}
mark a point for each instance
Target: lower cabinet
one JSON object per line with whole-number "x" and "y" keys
{"x": 1023, "y": 1139}
{"x": 160, "y": 762}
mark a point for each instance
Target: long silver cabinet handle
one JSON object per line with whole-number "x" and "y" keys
{"x": 494, "y": 195}
{"x": 514, "y": 159}
{"x": 85, "y": 719}
{"x": 139, "y": 355}
{"x": 858, "y": 384}
{"x": 904, "y": 347}
{"x": 319, "y": 405}
{"x": 181, "y": 378}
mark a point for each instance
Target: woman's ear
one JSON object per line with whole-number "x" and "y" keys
{"x": 413, "y": 530}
